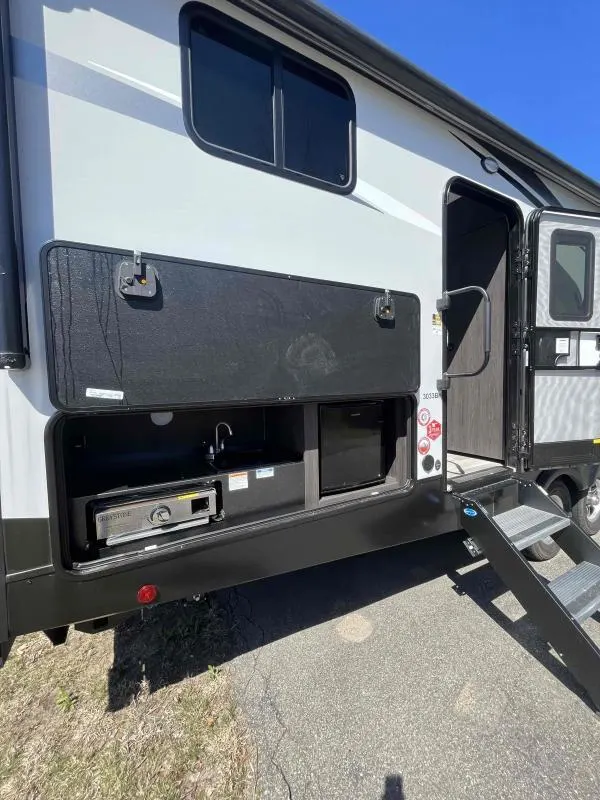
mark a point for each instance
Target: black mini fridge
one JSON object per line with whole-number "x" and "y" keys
{"x": 352, "y": 448}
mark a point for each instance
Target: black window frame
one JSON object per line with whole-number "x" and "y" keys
{"x": 583, "y": 239}
{"x": 195, "y": 10}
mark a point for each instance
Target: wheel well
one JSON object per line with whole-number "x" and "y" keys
{"x": 575, "y": 488}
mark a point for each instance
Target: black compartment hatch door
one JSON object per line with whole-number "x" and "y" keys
{"x": 214, "y": 335}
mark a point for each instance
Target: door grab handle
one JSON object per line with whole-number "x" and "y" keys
{"x": 442, "y": 305}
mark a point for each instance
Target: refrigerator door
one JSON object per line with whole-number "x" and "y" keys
{"x": 352, "y": 446}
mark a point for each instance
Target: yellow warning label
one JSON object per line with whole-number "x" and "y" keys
{"x": 189, "y": 496}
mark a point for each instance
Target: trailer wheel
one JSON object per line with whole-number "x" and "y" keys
{"x": 586, "y": 509}
{"x": 547, "y": 548}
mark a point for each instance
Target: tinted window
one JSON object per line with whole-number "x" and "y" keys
{"x": 317, "y": 117}
{"x": 251, "y": 100}
{"x": 232, "y": 91}
{"x": 571, "y": 275}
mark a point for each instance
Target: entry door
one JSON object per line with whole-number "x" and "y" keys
{"x": 564, "y": 407}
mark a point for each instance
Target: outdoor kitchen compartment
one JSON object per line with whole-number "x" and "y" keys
{"x": 248, "y": 462}
{"x": 255, "y": 463}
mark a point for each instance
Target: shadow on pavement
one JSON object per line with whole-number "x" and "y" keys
{"x": 268, "y": 610}
{"x": 176, "y": 640}
{"x": 394, "y": 789}
{"x": 484, "y": 586}
{"x": 181, "y": 639}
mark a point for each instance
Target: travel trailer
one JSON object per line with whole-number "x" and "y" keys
{"x": 270, "y": 297}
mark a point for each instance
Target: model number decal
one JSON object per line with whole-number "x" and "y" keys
{"x": 431, "y": 395}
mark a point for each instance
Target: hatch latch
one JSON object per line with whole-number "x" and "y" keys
{"x": 137, "y": 278}
{"x": 385, "y": 307}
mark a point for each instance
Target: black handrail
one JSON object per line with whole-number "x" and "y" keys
{"x": 442, "y": 305}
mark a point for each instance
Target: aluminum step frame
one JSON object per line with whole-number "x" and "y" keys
{"x": 579, "y": 652}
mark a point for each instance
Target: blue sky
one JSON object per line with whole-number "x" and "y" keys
{"x": 532, "y": 63}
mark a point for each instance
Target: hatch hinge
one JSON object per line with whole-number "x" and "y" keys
{"x": 522, "y": 263}
{"x": 519, "y": 440}
{"x": 519, "y": 337}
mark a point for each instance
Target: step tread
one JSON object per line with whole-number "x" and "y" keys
{"x": 579, "y": 590}
{"x": 525, "y": 525}
{"x": 503, "y": 482}
{"x": 479, "y": 476}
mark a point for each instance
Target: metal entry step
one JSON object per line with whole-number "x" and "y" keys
{"x": 579, "y": 590}
{"x": 472, "y": 480}
{"x": 525, "y": 525}
{"x": 558, "y": 608}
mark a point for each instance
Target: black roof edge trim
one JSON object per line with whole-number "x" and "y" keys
{"x": 338, "y": 39}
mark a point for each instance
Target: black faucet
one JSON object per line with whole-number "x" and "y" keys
{"x": 220, "y": 445}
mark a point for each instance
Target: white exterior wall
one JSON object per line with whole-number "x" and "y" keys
{"x": 105, "y": 160}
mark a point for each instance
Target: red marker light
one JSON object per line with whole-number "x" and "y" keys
{"x": 147, "y": 594}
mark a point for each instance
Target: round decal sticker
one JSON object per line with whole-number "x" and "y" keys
{"x": 423, "y": 446}
{"x": 423, "y": 416}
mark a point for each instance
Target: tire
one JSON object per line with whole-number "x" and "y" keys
{"x": 547, "y": 548}
{"x": 586, "y": 510}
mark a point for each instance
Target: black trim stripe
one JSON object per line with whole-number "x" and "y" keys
{"x": 503, "y": 173}
{"x": 524, "y": 172}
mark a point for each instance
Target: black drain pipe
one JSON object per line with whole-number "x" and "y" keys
{"x": 13, "y": 349}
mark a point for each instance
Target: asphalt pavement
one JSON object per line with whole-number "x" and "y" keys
{"x": 408, "y": 674}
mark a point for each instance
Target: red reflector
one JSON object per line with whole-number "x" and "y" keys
{"x": 147, "y": 594}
